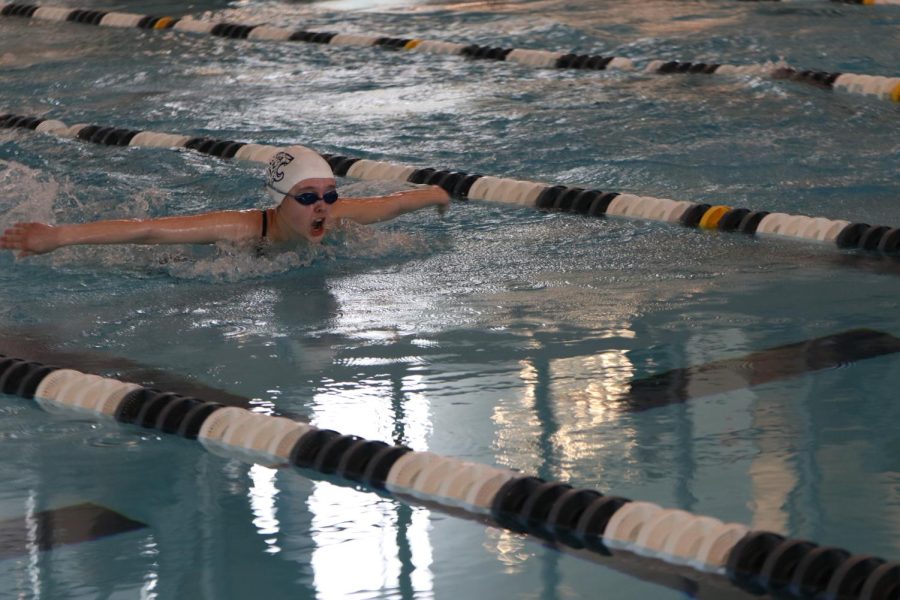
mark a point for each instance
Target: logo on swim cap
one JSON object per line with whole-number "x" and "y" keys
{"x": 290, "y": 166}
{"x": 275, "y": 172}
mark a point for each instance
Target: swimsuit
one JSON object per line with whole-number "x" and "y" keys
{"x": 262, "y": 243}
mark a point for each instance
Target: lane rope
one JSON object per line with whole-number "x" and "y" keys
{"x": 584, "y": 519}
{"x": 880, "y": 239}
{"x": 885, "y": 88}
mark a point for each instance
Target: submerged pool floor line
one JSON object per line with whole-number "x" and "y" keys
{"x": 48, "y": 529}
{"x": 881, "y": 239}
{"x": 757, "y": 368}
{"x": 886, "y": 88}
{"x": 585, "y": 520}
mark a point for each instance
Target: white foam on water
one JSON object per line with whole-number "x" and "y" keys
{"x": 234, "y": 263}
{"x": 352, "y": 240}
{"x": 27, "y": 194}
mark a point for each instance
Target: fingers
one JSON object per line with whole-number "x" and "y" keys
{"x": 12, "y": 238}
{"x": 18, "y": 228}
{"x": 14, "y": 241}
{"x": 9, "y": 241}
{"x": 15, "y": 237}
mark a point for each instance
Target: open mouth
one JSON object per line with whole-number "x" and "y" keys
{"x": 318, "y": 227}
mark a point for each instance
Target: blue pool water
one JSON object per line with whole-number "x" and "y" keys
{"x": 497, "y": 334}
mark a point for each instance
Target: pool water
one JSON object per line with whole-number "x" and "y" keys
{"x": 497, "y": 334}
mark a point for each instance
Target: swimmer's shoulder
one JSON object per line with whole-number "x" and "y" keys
{"x": 250, "y": 216}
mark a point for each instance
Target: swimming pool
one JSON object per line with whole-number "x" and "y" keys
{"x": 498, "y": 334}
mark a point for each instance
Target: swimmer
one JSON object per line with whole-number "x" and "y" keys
{"x": 300, "y": 180}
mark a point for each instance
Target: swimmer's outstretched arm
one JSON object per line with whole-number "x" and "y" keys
{"x": 383, "y": 208}
{"x": 38, "y": 238}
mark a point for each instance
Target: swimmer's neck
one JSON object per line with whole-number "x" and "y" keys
{"x": 279, "y": 232}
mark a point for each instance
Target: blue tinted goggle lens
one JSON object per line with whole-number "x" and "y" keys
{"x": 308, "y": 198}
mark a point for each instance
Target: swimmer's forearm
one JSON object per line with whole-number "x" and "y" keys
{"x": 118, "y": 232}
{"x": 102, "y": 232}
{"x": 373, "y": 210}
{"x": 411, "y": 200}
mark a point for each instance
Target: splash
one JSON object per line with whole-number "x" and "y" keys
{"x": 387, "y": 240}
{"x": 228, "y": 263}
{"x": 27, "y": 194}
{"x": 232, "y": 263}
{"x": 354, "y": 241}
{"x": 139, "y": 205}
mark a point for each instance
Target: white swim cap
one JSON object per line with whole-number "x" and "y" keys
{"x": 294, "y": 164}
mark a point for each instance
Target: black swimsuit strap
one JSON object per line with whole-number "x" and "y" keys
{"x": 265, "y": 223}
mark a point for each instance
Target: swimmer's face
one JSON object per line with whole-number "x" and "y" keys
{"x": 309, "y": 221}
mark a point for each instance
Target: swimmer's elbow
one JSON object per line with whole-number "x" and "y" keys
{"x": 147, "y": 232}
{"x": 188, "y": 230}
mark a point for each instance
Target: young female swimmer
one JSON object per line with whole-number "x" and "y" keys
{"x": 297, "y": 177}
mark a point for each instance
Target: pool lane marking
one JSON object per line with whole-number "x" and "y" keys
{"x": 885, "y": 88}
{"x": 581, "y": 519}
{"x": 49, "y": 529}
{"x": 782, "y": 362}
{"x": 28, "y": 345}
{"x": 882, "y": 240}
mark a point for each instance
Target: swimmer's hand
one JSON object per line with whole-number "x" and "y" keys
{"x": 443, "y": 200}
{"x": 30, "y": 238}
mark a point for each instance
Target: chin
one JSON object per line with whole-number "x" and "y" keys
{"x": 314, "y": 238}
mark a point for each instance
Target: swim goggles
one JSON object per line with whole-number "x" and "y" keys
{"x": 310, "y": 198}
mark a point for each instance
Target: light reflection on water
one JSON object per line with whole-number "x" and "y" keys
{"x": 387, "y": 551}
{"x": 262, "y": 499}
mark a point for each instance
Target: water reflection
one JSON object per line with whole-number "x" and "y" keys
{"x": 384, "y": 544}
{"x": 586, "y": 392}
{"x": 387, "y": 543}
{"x": 34, "y": 573}
{"x": 262, "y": 501}
{"x": 561, "y": 398}
{"x": 151, "y": 577}
{"x": 660, "y": 18}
